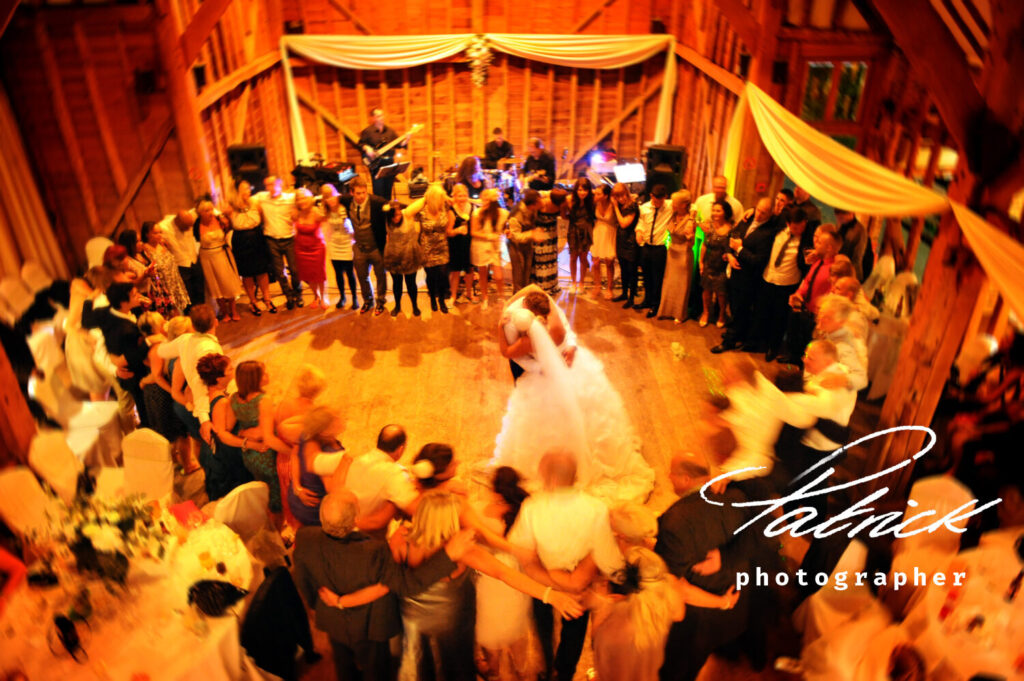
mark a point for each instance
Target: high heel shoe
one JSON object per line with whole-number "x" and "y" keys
{"x": 271, "y": 308}
{"x": 415, "y": 312}
{"x": 396, "y": 310}
{"x": 256, "y": 312}
{"x": 433, "y": 303}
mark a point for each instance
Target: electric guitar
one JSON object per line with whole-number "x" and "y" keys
{"x": 382, "y": 157}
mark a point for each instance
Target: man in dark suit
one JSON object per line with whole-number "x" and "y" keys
{"x": 749, "y": 246}
{"x": 369, "y": 226}
{"x": 696, "y": 541}
{"x": 337, "y": 556}
{"x": 125, "y": 343}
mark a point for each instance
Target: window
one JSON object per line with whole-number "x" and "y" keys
{"x": 832, "y": 96}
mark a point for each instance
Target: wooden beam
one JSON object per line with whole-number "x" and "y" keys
{"x": 526, "y": 108}
{"x": 152, "y": 153}
{"x": 730, "y": 81}
{"x": 328, "y": 117}
{"x": 7, "y": 8}
{"x": 212, "y": 93}
{"x": 590, "y": 18}
{"x": 574, "y": 87}
{"x": 620, "y": 101}
{"x": 615, "y": 122}
{"x": 431, "y": 154}
{"x": 350, "y": 15}
{"x": 241, "y": 114}
{"x": 741, "y": 20}
{"x": 66, "y": 125}
{"x": 936, "y": 60}
{"x": 199, "y": 29}
{"x": 596, "y": 107}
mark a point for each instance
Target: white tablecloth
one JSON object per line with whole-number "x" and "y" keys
{"x": 147, "y": 633}
{"x": 994, "y": 647}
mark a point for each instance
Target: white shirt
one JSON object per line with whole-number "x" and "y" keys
{"x": 853, "y": 354}
{"x": 339, "y": 235}
{"x": 705, "y": 201}
{"x": 643, "y": 227}
{"x": 788, "y": 271}
{"x": 181, "y": 244}
{"x": 189, "y": 348}
{"x": 755, "y": 415}
{"x": 834, "y": 404}
{"x": 564, "y": 526}
{"x": 277, "y": 214}
{"x": 375, "y": 478}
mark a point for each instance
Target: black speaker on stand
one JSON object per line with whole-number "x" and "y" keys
{"x": 666, "y": 165}
{"x": 248, "y": 162}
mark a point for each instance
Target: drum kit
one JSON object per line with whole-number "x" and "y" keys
{"x": 505, "y": 178}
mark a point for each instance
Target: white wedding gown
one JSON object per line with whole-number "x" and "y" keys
{"x": 574, "y": 408}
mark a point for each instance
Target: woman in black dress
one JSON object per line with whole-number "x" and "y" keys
{"x": 626, "y": 249}
{"x": 250, "y": 246}
{"x": 458, "y": 244}
{"x": 471, "y": 175}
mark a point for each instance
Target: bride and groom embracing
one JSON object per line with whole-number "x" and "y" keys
{"x": 564, "y": 399}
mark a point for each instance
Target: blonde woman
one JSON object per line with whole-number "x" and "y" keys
{"x": 310, "y": 248}
{"x": 157, "y": 385}
{"x": 321, "y": 430}
{"x": 435, "y": 219}
{"x": 486, "y": 228}
{"x": 675, "y": 291}
{"x": 288, "y": 417}
{"x": 249, "y": 246}
{"x": 222, "y": 281}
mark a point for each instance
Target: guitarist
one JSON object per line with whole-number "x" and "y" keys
{"x": 539, "y": 167}
{"x": 373, "y": 137}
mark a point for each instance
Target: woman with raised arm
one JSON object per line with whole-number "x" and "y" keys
{"x": 402, "y": 253}
{"x": 435, "y": 219}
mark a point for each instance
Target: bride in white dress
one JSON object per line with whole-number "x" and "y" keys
{"x": 564, "y": 400}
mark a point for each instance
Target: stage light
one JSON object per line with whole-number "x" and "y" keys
{"x": 596, "y": 157}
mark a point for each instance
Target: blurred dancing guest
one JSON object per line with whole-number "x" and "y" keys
{"x": 210, "y": 231}
{"x": 249, "y": 246}
{"x": 310, "y": 249}
{"x": 339, "y": 244}
{"x": 675, "y": 294}
{"x": 719, "y": 192}
{"x": 321, "y": 428}
{"x": 627, "y": 251}
{"x": 277, "y": 207}
{"x": 486, "y": 228}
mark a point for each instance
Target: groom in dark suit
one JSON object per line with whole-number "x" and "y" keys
{"x": 344, "y": 560}
{"x": 123, "y": 339}
{"x": 369, "y": 226}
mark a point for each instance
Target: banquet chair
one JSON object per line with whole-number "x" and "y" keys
{"x": 52, "y": 459}
{"x": 148, "y": 468}
{"x": 95, "y": 248}
{"x": 24, "y": 506}
{"x": 244, "y": 509}
{"x": 829, "y": 607}
{"x": 35, "y": 276}
{"x": 16, "y": 295}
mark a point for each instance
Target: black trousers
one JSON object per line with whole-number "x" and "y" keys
{"x": 570, "y": 645}
{"x": 743, "y": 289}
{"x": 366, "y": 661}
{"x": 702, "y": 632}
{"x": 771, "y": 312}
{"x": 195, "y": 283}
{"x": 410, "y": 285}
{"x": 131, "y": 385}
{"x": 652, "y": 260}
{"x": 799, "y": 329}
{"x": 437, "y": 281}
{"x": 342, "y": 271}
{"x": 628, "y": 273}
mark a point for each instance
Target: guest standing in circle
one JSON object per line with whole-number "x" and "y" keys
{"x": 486, "y": 229}
{"x": 675, "y": 291}
{"x": 339, "y": 244}
{"x": 254, "y": 416}
{"x": 471, "y": 177}
{"x": 321, "y": 429}
{"x": 310, "y": 249}
{"x": 435, "y": 220}
{"x": 713, "y": 278}
{"x": 277, "y": 208}
{"x": 580, "y": 214}
{"x": 627, "y": 215}
{"x": 459, "y": 239}
{"x": 147, "y": 277}
{"x": 545, "y": 247}
{"x": 401, "y": 255}
{"x": 224, "y": 468}
{"x": 156, "y": 386}
{"x": 154, "y": 244}
{"x": 288, "y": 422}
{"x": 210, "y": 231}
{"x": 249, "y": 245}
{"x": 602, "y": 251}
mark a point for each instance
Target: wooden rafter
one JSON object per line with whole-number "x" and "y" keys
{"x": 328, "y": 117}
{"x": 199, "y": 29}
{"x": 241, "y": 113}
{"x": 730, "y": 81}
{"x": 741, "y": 20}
{"x": 350, "y": 15}
{"x": 7, "y": 8}
{"x": 152, "y": 153}
{"x": 229, "y": 82}
{"x": 590, "y": 18}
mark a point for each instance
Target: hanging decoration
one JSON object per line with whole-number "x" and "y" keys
{"x": 480, "y": 58}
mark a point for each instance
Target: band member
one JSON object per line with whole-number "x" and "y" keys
{"x": 539, "y": 167}
{"x": 497, "y": 149}
{"x": 372, "y": 138}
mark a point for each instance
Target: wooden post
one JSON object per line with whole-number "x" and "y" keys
{"x": 182, "y": 92}
{"x": 17, "y": 426}
{"x": 432, "y": 161}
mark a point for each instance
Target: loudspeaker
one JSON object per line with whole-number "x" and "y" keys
{"x": 666, "y": 164}
{"x": 248, "y": 162}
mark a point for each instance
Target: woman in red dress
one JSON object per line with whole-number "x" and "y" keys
{"x": 310, "y": 247}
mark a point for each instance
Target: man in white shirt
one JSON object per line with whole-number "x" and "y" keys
{"x": 563, "y": 525}
{"x": 189, "y": 348}
{"x": 719, "y": 192}
{"x": 833, "y": 324}
{"x": 182, "y": 244}
{"x": 381, "y": 485}
{"x": 277, "y": 207}
{"x": 782, "y": 275}
{"x": 651, "y": 233}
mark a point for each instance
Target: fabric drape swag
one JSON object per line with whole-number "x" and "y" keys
{"x": 843, "y": 178}
{"x": 398, "y": 52}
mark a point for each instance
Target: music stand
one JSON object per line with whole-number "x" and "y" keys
{"x": 385, "y": 172}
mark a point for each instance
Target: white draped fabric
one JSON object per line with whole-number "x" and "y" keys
{"x": 843, "y": 178}
{"x": 397, "y": 52}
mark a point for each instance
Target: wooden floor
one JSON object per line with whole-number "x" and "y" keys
{"x": 442, "y": 378}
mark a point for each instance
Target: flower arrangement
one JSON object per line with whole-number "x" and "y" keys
{"x": 480, "y": 58}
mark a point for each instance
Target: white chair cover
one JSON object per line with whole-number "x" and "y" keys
{"x": 109, "y": 483}
{"x": 92, "y": 429}
{"x": 19, "y": 299}
{"x": 35, "y": 277}
{"x": 23, "y": 503}
{"x": 52, "y": 459}
{"x": 148, "y": 469}
{"x": 95, "y": 248}
{"x": 828, "y": 608}
{"x": 244, "y": 509}
{"x": 45, "y": 346}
